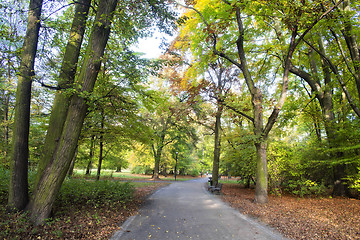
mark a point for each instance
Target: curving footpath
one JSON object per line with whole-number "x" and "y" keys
{"x": 185, "y": 210}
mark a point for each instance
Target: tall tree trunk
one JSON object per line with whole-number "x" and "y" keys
{"x": 261, "y": 191}
{"x": 101, "y": 139}
{"x": 100, "y": 157}
{"x": 326, "y": 98}
{"x": 54, "y": 174}
{"x": 66, "y": 78}
{"x": 18, "y": 191}
{"x": 351, "y": 38}
{"x": 261, "y": 188}
{"x": 217, "y": 146}
{"x": 91, "y": 156}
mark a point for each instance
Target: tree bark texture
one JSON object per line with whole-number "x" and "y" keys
{"x": 72, "y": 165}
{"x": 217, "y": 146}
{"x": 261, "y": 191}
{"x": 66, "y": 79}
{"x": 18, "y": 190}
{"x": 351, "y": 42}
{"x": 54, "y": 173}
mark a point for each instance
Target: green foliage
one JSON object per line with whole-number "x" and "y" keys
{"x": 194, "y": 172}
{"x": 305, "y": 187}
{"x": 239, "y": 153}
{"x": 4, "y": 183}
{"x": 142, "y": 169}
{"x": 280, "y": 165}
{"x": 5, "y": 180}
{"x": 354, "y": 181}
{"x": 78, "y": 191}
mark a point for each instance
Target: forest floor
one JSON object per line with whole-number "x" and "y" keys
{"x": 76, "y": 222}
{"x": 300, "y": 218}
{"x": 295, "y": 218}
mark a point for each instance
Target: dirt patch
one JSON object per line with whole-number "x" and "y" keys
{"x": 300, "y": 218}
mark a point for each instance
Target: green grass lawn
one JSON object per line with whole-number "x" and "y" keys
{"x": 111, "y": 173}
{"x": 129, "y": 176}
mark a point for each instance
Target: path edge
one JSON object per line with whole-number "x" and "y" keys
{"x": 123, "y": 228}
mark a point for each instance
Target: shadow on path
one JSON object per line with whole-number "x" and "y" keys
{"x": 185, "y": 210}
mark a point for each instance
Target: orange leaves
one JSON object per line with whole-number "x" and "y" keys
{"x": 305, "y": 218}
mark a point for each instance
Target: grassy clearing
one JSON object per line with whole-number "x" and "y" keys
{"x": 111, "y": 174}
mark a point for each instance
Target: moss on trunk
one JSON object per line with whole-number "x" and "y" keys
{"x": 55, "y": 172}
{"x": 66, "y": 78}
{"x": 261, "y": 191}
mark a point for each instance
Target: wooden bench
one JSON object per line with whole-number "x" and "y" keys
{"x": 215, "y": 189}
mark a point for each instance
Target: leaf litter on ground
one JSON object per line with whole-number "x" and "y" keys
{"x": 300, "y": 218}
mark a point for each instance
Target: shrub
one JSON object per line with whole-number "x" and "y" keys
{"x": 194, "y": 173}
{"x": 142, "y": 170}
{"x": 354, "y": 183}
{"x": 305, "y": 187}
{"x": 77, "y": 191}
{"x": 4, "y": 184}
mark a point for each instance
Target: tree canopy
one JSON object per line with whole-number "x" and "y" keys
{"x": 267, "y": 91}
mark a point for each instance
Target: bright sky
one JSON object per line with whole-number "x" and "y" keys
{"x": 151, "y": 46}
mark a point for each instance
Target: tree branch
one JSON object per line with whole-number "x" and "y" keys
{"x": 338, "y": 77}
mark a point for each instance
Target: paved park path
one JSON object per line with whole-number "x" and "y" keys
{"x": 185, "y": 210}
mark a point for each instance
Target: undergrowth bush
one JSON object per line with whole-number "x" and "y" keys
{"x": 4, "y": 184}
{"x": 96, "y": 193}
{"x": 142, "y": 170}
{"x": 194, "y": 173}
{"x": 305, "y": 188}
{"x": 354, "y": 183}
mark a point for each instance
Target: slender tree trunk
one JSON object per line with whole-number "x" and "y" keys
{"x": 157, "y": 158}
{"x": 18, "y": 191}
{"x": 54, "y": 174}
{"x": 66, "y": 79}
{"x": 101, "y": 145}
{"x": 100, "y": 157}
{"x": 72, "y": 165}
{"x": 89, "y": 166}
{"x": 217, "y": 146}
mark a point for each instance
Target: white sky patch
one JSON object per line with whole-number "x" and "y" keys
{"x": 152, "y": 46}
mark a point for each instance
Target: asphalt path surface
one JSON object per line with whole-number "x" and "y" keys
{"x": 186, "y": 210}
